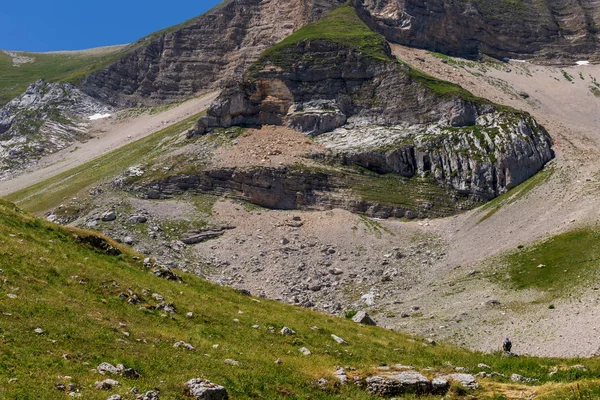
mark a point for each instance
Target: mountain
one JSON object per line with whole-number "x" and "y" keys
{"x": 222, "y": 44}
{"x": 339, "y": 171}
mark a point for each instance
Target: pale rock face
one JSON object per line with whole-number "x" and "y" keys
{"x": 46, "y": 118}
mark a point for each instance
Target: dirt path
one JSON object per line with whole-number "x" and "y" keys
{"x": 107, "y": 135}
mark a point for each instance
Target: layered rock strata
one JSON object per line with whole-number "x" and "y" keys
{"x": 549, "y": 30}
{"x": 202, "y": 53}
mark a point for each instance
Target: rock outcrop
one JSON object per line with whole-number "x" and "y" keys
{"x": 46, "y": 118}
{"x": 551, "y": 30}
{"x": 202, "y": 53}
{"x": 383, "y": 115}
{"x": 306, "y": 189}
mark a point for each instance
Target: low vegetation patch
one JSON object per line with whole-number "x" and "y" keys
{"x": 342, "y": 26}
{"x": 57, "y": 67}
{"x": 557, "y": 266}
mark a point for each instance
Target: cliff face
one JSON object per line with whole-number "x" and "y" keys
{"x": 213, "y": 48}
{"x": 552, "y": 30}
{"x": 222, "y": 44}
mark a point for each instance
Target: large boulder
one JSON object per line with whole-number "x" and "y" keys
{"x": 203, "y": 389}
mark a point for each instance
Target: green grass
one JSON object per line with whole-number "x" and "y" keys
{"x": 571, "y": 261}
{"x": 342, "y": 26}
{"x": 71, "y": 291}
{"x": 64, "y": 67}
{"x": 52, "y": 192}
{"x": 410, "y": 193}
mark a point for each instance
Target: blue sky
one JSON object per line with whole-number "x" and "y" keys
{"x": 43, "y": 25}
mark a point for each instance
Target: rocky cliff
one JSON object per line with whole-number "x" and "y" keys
{"x": 222, "y": 44}
{"x": 381, "y": 114}
{"x": 46, "y": 118}
{"x": 550, "y": 30}
{"x": 204, "y": 52}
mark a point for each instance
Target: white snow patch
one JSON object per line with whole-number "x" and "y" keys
{"x": 582, "y": 62}
{"x": 98, "y": 116}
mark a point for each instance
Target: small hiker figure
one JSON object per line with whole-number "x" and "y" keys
{"x": 507, "y": 345}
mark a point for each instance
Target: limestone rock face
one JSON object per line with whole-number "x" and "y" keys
{"x": 546, "y": 29}
{"x": 213, "y": 48}
{"x": 46, "y": 118}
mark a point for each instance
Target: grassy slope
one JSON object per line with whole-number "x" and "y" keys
{"x": 342, "y": 26}
{"x": 61, "y": 67}
{"x": 72, "y": 292}
{"x": 51, "y": 192}
{"x": 571, "y": 262}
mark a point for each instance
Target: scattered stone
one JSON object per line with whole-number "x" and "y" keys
{"x": 322, "y": 382}
{"x": 114, "y": 397}
{"x": 149, "y": 395}
{"x": 340, "y": 373}
{"x": 521, "y": 378}
{"x": 11, "y": 296}
{"x": 38, "y": 331}
{"x": 106, "y": 384}
{"x": 109, "y": 216}
{"x": 189, "y": 315}
{"x": 278, "y": 361}
{"x": 368, "y": 298}
{"x": 157, "y": 297}
{"x": 130, "y": 373}
{"x": 166, "y": 273}
{"x": 204, "y": 234}
{"x": 362, "y": 317}
{"x": 339, "y": 339}
{"x": 287, "y": 331}
{"x": 305, "y": 351}
{"x": 61, "y": 387}
{"x": 137, "y": 219}
{"x": 468, "y": 381}
{"x": 106, "y": 368}
{"x": 439, "y": 386}
{"x": 399, "y": 384}
{"x": 203, "y": 389}
{"x": 232, "y": 362}
{"x": 492, "y": 302}
{"x": 484, "y": 366}
{"x": 185, "y": 345}
{"x": 166, "y": 307}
